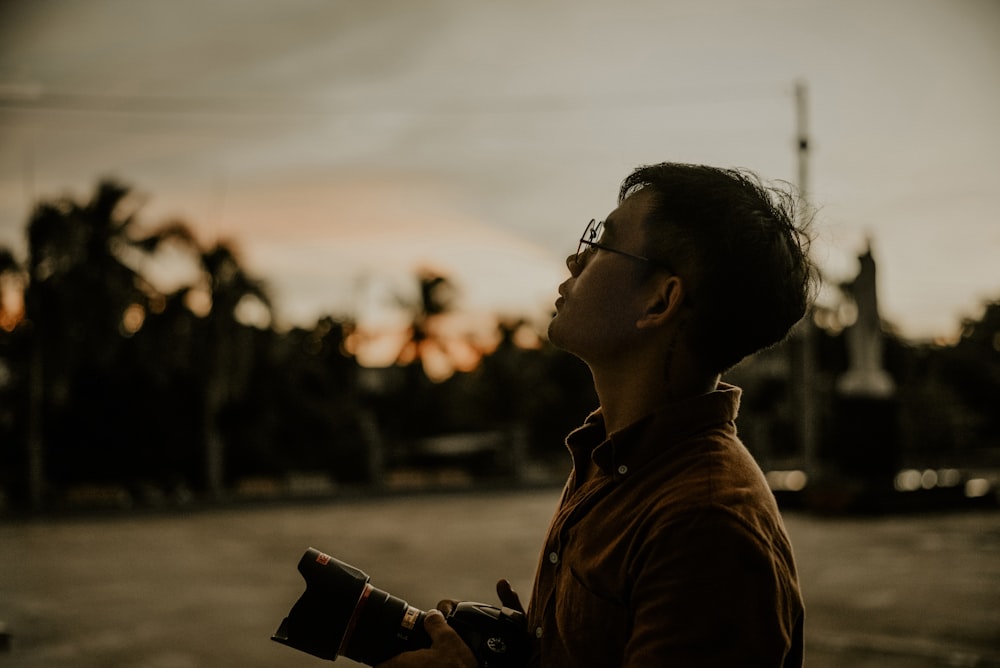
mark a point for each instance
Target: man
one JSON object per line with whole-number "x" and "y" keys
{"x": 667, "y": 548}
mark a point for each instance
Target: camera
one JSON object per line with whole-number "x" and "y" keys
{"x": 342, "y": 614}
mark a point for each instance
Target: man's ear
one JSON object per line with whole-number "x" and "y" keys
{"x": 663, "y": 304}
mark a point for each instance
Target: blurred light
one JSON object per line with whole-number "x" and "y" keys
{"x": 908, "y": 480}
{"x": 11, "y": 303}
{"x": 198, "y": 301}
{"x": 929, "y": 479}
{"x": 251, "y": 311}
{"x": 132, "y": 319}
{"x": 526, "y": 338}
{"x": 977, "y": 487}
{"x": 788, "y": 481}
{"x": 949, "y": 477}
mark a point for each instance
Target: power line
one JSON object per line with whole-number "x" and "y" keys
{"x": 251, "y": 106}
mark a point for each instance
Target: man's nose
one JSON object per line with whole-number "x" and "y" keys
{"x": 573, "y": 263}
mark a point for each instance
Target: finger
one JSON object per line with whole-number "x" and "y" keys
{"x": 436, "y": 626}
{"x": 446, "y": 605}
{"x": 508, "y": 596}
{"x": 447, "y": 650}
{"x": 447, "y": 647}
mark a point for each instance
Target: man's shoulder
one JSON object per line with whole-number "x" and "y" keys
{"x": 709, "y": 476}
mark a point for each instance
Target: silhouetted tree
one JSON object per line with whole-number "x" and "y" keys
{"x": 301, "y": 410}
{"x": 972, "y": 368}
{"x": 230, "y": 353}
{"x": 429, "y": 342}
{"x": 223, "y": 349}
{"x": 12, "y": 373}
{"x": 82, "y": 299}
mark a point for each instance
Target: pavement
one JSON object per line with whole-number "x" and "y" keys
{"x": 208, "y": 587}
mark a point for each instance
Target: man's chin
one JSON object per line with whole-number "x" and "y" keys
{"x": 553, "y": 332}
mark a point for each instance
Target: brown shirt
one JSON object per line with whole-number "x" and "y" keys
{"x": 672, "y": 554}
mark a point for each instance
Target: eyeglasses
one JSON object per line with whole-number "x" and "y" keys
{"x": 591, "y": 239}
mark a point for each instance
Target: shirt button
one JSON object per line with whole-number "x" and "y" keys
{"x": 538, "y": 632}
{"x": 622, "y": 470}
{"x": 553, "y": 558}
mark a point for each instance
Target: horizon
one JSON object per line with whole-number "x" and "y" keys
{"x": 380, "y": 304}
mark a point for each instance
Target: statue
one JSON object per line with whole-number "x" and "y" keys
{"x": 865, "y": 376}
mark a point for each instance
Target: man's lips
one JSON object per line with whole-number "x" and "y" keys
{"x": 562, "y": 296}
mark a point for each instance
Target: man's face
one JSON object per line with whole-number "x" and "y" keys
{"x": 600, "y": 302}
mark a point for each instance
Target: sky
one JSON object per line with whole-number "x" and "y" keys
{"x": 341, "y": 145}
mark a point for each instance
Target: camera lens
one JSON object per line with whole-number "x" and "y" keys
{"x": 341, "y": 614}
{"x": 382, "y": 627}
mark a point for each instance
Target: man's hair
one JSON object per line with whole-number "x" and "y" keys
{"x": 739, "y": 249}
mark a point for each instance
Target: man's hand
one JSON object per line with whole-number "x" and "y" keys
{"x": 509, "y": 597}
{"x": 447, "y": 649}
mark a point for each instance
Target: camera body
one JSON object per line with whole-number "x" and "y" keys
{"x": 342, "y": 614}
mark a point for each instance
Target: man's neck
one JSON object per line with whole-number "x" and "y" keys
{"x": 627, "y": 396}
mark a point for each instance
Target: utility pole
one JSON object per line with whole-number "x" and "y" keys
{"x": 807, "y": 349}
{"x": 802, "y": 135}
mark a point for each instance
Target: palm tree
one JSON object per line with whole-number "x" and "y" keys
{"x": 85, "y": 303}
{"x": 230, "y": 350}
{"x": 225, "y": 352}
{"x": 79, "y": 290}
{"x": 428, "y": 341}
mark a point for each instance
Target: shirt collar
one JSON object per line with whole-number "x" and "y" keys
{"x": 618, "y": 453}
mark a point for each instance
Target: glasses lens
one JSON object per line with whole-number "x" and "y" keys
{"x": 591, "y": 235}
{"x": 594, "y": 231}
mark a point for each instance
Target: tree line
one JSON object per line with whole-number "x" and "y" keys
{"x": 106, "y": 378}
